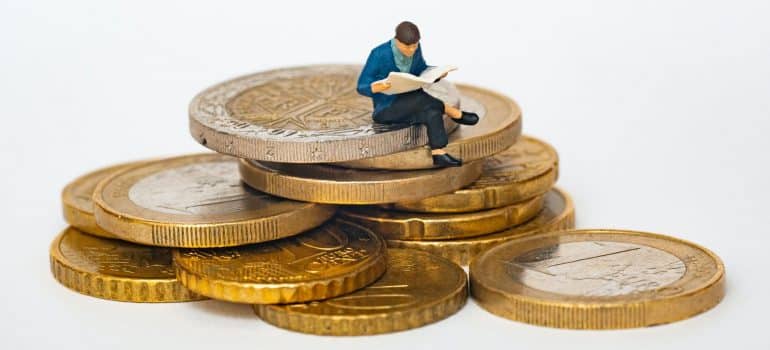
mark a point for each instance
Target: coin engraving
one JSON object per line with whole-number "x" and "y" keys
{"x": 596, "y": 268}
{"x": 526, "y": 159}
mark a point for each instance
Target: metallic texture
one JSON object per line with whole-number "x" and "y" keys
{"x": 334, "y": 259}
{"x": 597, "y": 279}
{"x": 498, "y": 128}
{"x": 309, "y": 114}
{"x": 330, "y": 184}
{"x": 116, "y": 270}
{"x": 527, "y": 169}
{"x": 417, "y": 289}
{"x": 197, "y": 201}
{"x": 558, "y": 214}
{"x": 433, "y": 226}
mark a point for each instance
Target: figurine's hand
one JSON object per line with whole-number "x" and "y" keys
{"x": 380, "y": 86}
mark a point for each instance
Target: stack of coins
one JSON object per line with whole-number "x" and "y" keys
{"x": 323, "y": 221}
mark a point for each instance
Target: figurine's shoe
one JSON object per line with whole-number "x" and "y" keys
{"x": 467, "y": 118}
{"x": 445, "y": 160}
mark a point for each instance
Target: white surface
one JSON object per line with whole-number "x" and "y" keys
{"x": 660, "y": 111}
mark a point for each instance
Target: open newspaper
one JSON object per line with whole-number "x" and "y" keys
{"x": 404, "y": 82}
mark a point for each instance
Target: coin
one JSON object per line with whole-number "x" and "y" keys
{"x": 434, "y": 226}
{"x": 558, "y": 214}
{"x": 197, "y": 201}
{"x": 116, "y": 270}
{"x": 309, "y": 114}
{"x": 336, "y": 258}
{"x": 330, "y": 184}
{"x": 78, "y": 208}
{"x": 527, "y": 169}
{"x": 498, "y": 128}
{"x": 597, "y": 279}
{"x": 417, "y": 289}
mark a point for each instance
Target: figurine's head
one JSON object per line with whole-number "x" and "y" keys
{"x": 407, "y": 38}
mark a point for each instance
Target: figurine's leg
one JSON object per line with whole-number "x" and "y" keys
{"x": 452, "y": 112}
{"x": 461, "y": 117}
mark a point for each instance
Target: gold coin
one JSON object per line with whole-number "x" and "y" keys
{"x": 116, "y": 270}
{"x": 76, "y": 200}
{"x": 336, "y": 258}
{"x": 433, "y": 226}
{"x": 597, "y": 279}
{"x": 309, "y": 114}
{"x": 498, "y": 128}
{"x": 558, "y": 214}
{"x": 417, "y": 289}
{"x": 197, "y": 201}
{"x": 330, "y": 184}
{"x": 527, "y": 169}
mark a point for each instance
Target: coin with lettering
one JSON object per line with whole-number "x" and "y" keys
{"x": 435, "y": 226}
{"x": 78, "y": 208}
{"x": 337, "y": 258}
{"x": 417, "y": 289}
{"x": 597, "y": 279}
{"x": 309, "y": 114}
{"x": 527, "y": 169}
{"x": 558, "y": 214}
{"x": 116, "y": 270}
{"x": 498, "y": 128}
{"x": 322, "y": 183}
{"x": 197, "y": 201}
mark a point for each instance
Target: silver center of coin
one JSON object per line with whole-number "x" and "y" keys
{"x": 596, "y": 268}
{"x": 210, "y": 188}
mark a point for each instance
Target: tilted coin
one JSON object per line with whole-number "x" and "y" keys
{"x": 433, "y": 226}
{"x": 331, "y": 184}
{"x": 498, "y": 128}
{"x": 597, "y": 279}
{"x": 197, "y": 201}
{"x": 527, "y": 169}
{"x": 116, "y": 270}
{"x": 336, "y": 258}
{"x": 307, "y": 114}
{"x": 78, "y": 208}
{"x": 417, "y": 289}
{"x": 558, "y": 214}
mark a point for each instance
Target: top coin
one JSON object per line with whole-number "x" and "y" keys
{"x": 307, "y": 114}
{"x": 197, "y": 201}
{"x": 597, "y": 279}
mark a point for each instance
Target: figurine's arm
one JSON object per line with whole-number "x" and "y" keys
{"x": 419, "y": 61}
{"x": 368, "y": 76}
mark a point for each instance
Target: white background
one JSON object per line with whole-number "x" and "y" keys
{"x": 660, "y": 111}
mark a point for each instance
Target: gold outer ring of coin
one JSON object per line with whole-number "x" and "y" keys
{"x": 417, "y": 226}
{"x": 288, "y": 95}
{"x": 558, "y": 214}
{"x": 336, "y": 185}
{"x": 691, "y": 283}
{"x": 123, "y": 274}
{"x": 117, "y": 213}
{"x": 418, "y": 288}
{"x": 296, "y": 269}
{"x": 77, "y": 207}
{"x": 495, "y": 188}
{"x": 498, "y": 129}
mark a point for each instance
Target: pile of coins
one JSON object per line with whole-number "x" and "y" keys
{"x": 329, "y": 224}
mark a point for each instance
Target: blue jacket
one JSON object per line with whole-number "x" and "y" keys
{"x": 379, "y": 64}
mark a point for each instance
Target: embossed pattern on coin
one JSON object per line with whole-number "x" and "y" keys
{"x": 527, "y": 169}
{"x": 418, "y": 288}
{"x": 597, "y": 279}
{"x": 336, "y": 258}
{"x": 433, "y": 226}
{"x": 307, "y": 114}
{"x": 558, "y": 214}
{"x": 116, "y": 270}
{"x": 197, "y": 201}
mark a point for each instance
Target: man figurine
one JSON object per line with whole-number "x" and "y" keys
{"x": 403, "y": 54}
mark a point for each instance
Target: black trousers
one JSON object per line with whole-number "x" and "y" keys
{"x": 417, "y": 107}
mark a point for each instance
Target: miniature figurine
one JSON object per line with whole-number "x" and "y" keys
{"x": 403, "y": 54}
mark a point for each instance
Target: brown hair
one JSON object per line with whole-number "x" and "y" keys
{"x": 407, "y": 33}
